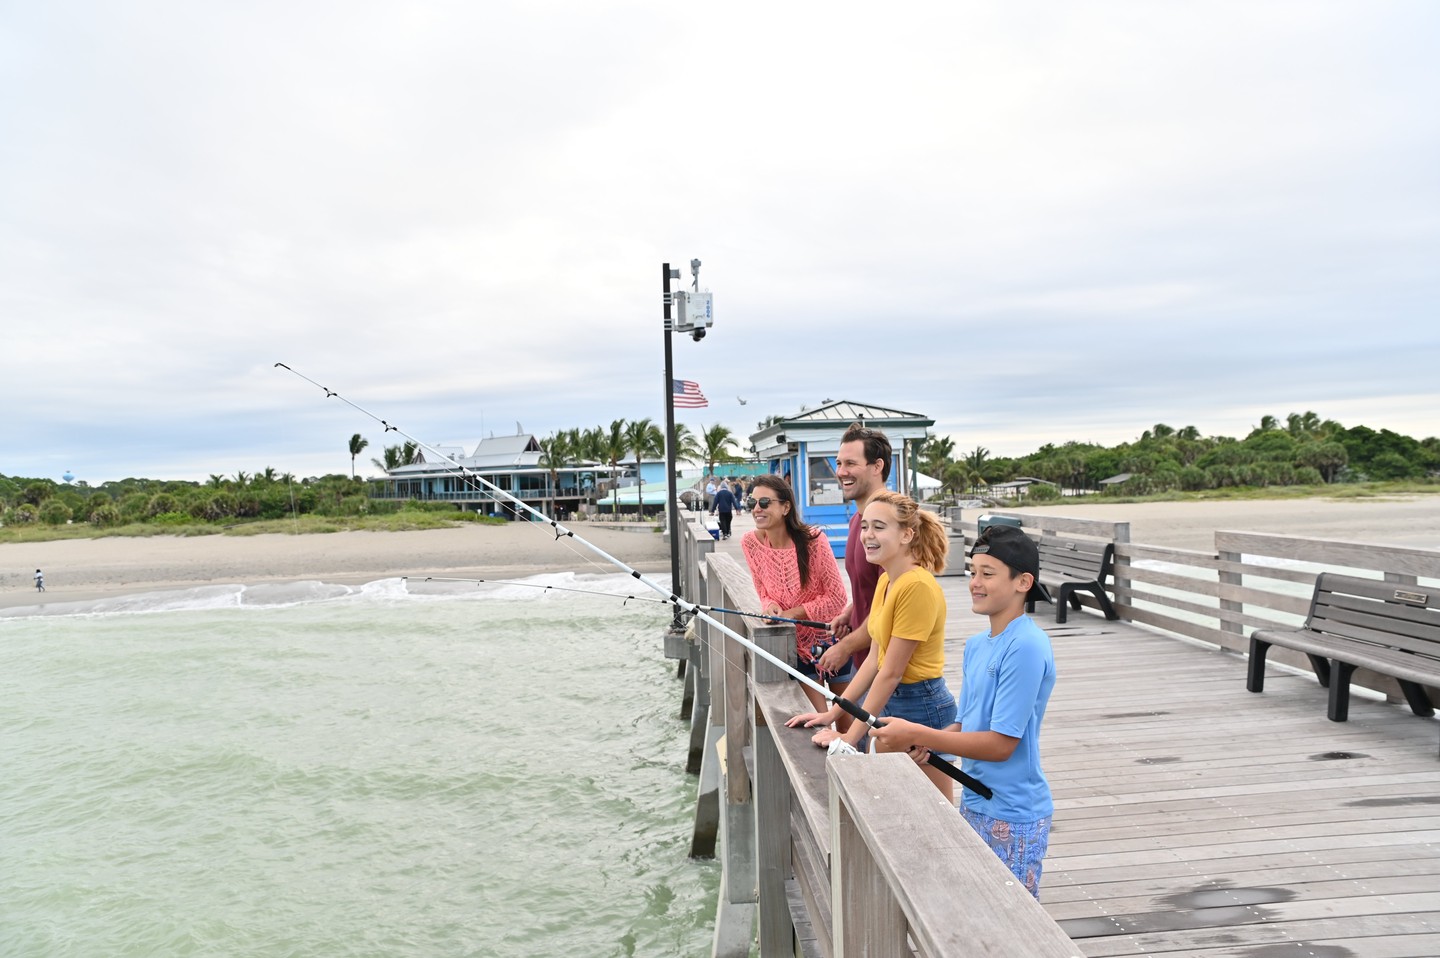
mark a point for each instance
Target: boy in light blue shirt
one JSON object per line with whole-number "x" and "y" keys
{"x": 1009, "y": 672}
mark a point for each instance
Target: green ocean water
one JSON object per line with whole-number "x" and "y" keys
{"x": 320, "y": 771}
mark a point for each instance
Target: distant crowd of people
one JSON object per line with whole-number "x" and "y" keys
{"x": 883, "y": 646}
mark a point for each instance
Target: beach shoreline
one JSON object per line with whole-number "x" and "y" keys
{"x": 84, "y": 570}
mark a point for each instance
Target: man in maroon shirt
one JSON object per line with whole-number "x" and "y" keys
{"x": 862, "y": 466}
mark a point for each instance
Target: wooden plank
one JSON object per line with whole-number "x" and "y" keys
{"x": 1136, "y": 552}
{"x": 804, "y": 763}
{"x": 1192, "y": 585}
{"x": 1060, "y": 896}
{"x": 1241, "y": 869}
{"x": 1256, "y": 570}
{"x": 1031, "y": 522}
{"x": 1223, "y": 895}
{"x": 1275, "y": 601}
{"x": 1351, "y": 555}
{"x": 1194, "y": 630}
{"x": 772, "y": 833}
{"x": 1250, "y": 941}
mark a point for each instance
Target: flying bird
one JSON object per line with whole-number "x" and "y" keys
{"x": 742, "y": 402}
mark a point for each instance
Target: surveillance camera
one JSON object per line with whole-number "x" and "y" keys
{"x": 698, "y": 334}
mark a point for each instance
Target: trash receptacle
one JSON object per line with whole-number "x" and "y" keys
{"x": 987, "y": 520}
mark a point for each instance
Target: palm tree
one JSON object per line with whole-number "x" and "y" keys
{"x": 404, "y": 454}
{"x": 715, "y": 446}
{"x": 612, "y": 450}
{"x": 686, "y": 445}
{"x": 645, "y": 439}
{"x": 936, "y": 453}
{"x": 590, "y": 447}
{"x": 357, "y": 446}
{"x": 557, "y": 452}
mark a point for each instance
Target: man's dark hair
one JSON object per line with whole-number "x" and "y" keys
{"x": 877, "y": 445}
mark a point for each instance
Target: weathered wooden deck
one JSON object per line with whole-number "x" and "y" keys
{"x": 1195, "y": 818}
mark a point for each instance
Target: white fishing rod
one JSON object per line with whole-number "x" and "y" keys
{"x": 673, "y": 598}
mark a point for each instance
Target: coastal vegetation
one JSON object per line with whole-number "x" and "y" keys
{"x": 242, "y": 504}
{"x": 1302, "y": 455}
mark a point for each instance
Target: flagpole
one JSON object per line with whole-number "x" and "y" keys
{"x": 676, "y": 584}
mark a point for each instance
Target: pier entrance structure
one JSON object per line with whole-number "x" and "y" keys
{"x": 802, "y": 448}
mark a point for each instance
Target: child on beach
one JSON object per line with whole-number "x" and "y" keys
{"x": 902, "y": 677}
{"x": 1009, "y": 672}
{"x": 39, "y": 581}
{"x": 795, "y": 576}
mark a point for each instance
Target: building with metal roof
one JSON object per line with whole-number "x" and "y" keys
{"x": 803, "y": 447}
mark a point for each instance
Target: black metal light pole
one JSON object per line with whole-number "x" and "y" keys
{"x": 676, "y": 586}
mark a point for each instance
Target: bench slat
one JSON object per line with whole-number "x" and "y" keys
{"x": 1382, "y": 616}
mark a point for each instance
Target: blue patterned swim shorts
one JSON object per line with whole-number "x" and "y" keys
{"x": 1020, "y": 845}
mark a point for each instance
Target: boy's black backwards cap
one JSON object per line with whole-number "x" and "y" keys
{"x": 1016, "y": 550}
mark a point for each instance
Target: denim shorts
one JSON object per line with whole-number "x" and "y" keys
{"x": 927, "y": 702}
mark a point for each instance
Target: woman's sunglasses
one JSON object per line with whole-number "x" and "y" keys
{"x": 763, "y": 502}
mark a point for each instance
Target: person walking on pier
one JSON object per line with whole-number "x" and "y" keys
{"x": 903, "y": 675}
{"x": 725, "y": 505}
{"x": 795, "y": 576}
{"x": 1009, "y": 672}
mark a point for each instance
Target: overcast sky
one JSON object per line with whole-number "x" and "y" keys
{"x": 1031, "y": 221}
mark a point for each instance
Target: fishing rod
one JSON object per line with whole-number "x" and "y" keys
{"x": 673, "y": 598}
{"x": 628, "y": 598}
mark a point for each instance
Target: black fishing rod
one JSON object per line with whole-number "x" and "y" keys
{"x": 479, "y": 482}
{"x": 628, "y": 598}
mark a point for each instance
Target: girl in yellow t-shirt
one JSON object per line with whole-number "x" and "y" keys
{"x": 902, "y": 674}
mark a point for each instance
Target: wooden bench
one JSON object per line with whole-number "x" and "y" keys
{"x": 1388, "y": 627}
{"x": 1068, "y": 566}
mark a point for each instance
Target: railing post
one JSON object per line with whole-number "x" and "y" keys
{"x": 1121, "y": 536}
{"x": 1231, "y": 605}
{"x": 772, "y": 803}
{"x": 866, "y": 918}
{"x": 706, "y": 729}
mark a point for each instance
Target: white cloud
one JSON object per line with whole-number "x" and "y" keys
{"x": 455, "y": 211}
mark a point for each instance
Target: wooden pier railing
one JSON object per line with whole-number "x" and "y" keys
{"x": 1250, "y": 581}
{"x": 839, "y": 857}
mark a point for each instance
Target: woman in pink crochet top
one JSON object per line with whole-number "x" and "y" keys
{"x": 795, "y": 575}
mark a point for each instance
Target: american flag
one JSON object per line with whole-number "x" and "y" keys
{"x": 687, "y": 394}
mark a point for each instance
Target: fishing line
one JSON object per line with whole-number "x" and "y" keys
{"x": 672, "y": 597}
{"x": 628, "y": 598}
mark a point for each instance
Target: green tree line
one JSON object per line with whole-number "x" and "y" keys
{"x": 268, "y": 494}
{"x": 264, "y": 494}
{"x": 1302, "y": 450}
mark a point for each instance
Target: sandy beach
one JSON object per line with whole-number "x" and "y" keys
{"x": 86, "y": 569}
{"x": 80, "y": 570}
